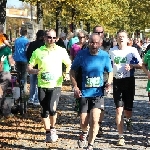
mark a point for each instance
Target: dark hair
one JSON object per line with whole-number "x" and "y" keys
{"x": 40, "y": 33}
{"x": 6, "y": 36}
{"x": 23, "y": 32}
{"x": 97, "y": 26}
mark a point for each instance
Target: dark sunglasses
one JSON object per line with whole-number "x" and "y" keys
{"x": 80, "y": 37}
{"x": 49, "y": 37}
{"x": 99, "y": 32}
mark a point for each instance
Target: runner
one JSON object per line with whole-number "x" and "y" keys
{"x": 91, "y": 93}
{"x": 49, "y": 59}
{"x": 146, "y": 68}
{"x": 33, "y": 99}
{"x": 105, "y": 46}
{"x": 124, "y": 59}
{"x": 73, "y": 52}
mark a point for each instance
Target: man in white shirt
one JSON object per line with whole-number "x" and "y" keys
{"x": 124, "y": 59}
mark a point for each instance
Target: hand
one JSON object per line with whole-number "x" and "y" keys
{"x": 3, "y": 58}
{"x": 107, "y": 87}
{"x": 67, "y": 77}
{"x": 36, "y": 71}
{"x": 77, "y": 92}
{"x": 128, "y": 67}
{"x": 148, "y": 75}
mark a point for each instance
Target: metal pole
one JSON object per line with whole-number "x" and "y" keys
{"x": 39, "y": 15}
{"x": 2, "y": 12}
{"x": 31, "y": 9}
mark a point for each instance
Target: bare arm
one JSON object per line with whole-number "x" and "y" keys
{"x": 11, "y": 60}
{"x": 110, "y": 77}
{"x": 145, "y": 69}
{"x": 7, "y": 43}
{"x": 136, "y": 66}
{"x": 72, "y": 78}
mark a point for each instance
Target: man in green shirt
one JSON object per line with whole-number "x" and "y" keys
{"x": 49, "y": 59}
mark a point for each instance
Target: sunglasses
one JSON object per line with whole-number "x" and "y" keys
{"x": 99, "y": 32}
{"x": 49, "y": 37}
{"x": 80, "y": 37}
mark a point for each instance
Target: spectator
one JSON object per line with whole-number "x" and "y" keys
{"x": 20, "y": 57}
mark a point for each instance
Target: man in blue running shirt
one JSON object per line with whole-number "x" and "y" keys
{"x": 93, "y": 62}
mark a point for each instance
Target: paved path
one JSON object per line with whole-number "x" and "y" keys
{"x": 28, "y": 133}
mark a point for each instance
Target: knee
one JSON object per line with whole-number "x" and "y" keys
{"x": 52, "y": 113}
{"x": 45, "y": 114}
{"x": 119, "y": 110}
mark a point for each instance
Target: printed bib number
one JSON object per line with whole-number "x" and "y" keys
{"x": 46, "y": 76}
{"x": 93, "y": 82}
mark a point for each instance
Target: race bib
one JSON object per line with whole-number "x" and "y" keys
{"x": 46, "y": 76}
{"x": 92, "y": 82}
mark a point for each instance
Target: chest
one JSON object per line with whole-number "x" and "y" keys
{"x": 120, "y": 57}
{"x": 49, "y": 56}
{"x": 94, "y": 64}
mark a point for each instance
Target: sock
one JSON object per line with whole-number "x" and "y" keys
{"x": 100, "y": 123}
{"x": 84, "y": 132}
{"x": 47, "y": 131}
{"x": 127, "y": 119}
{"x": 121, "y": 136}
{"x": 52, "y": 127}
{"x": 90, "y": 144}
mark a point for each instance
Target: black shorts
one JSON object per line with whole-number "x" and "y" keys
{"x": 48, "y": 99}
{"x": 88, "y": 103}
{"x": 123, "y": 92}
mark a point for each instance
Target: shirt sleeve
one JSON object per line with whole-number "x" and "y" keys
{"x": 146, "y": 58}
{"x": 34, "y": 59}
{"x": 65, "y": 57}
{"x": 108, "y": 65}
{"x": 76, "y": 63}
{"x": 137, "y": 56}
{"x": 3, "y": 38}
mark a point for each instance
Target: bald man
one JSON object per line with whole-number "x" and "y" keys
{"x": 93, "y": 62}
{"x": 49, "y": 59}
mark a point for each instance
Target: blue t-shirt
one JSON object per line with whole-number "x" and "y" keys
{"x": 93, "y": 67}
{"x": 20, "y": 49}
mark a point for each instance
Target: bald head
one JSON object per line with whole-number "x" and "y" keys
{"x": 95, "y": 36}
{"x": 95, "y": 42}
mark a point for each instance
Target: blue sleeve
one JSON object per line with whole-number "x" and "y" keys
{"x": 108, "y": 65}
{"x": 76, "y": 63}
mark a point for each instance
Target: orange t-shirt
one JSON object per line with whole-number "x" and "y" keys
{"x": 2, "y": 39}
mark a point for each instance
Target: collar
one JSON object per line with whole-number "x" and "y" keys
{"x": 51, "y": 48}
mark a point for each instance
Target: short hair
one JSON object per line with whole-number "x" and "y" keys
{"x": 46, "y": 31}
{"x": 120, "y": 31}
{"x": 40, "y": 33}
{"x": 97, "y": 26}
{"x": 83, "y": 32}
{"x": 23, "y": 32}
{"x": 90, "y": 37}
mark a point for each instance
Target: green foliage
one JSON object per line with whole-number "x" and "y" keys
{"x": 112, "y": 14}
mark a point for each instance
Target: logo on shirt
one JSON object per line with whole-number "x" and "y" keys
{"x": 120, "y": 60}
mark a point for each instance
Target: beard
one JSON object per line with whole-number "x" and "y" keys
{"x": 93, "y": 51}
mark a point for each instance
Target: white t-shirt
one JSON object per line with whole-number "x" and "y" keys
{"x": 120, "y": 58}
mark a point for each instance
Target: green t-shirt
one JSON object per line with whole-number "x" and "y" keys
{"x": 49, "y": 62}
{"x": 6, "y": 51}
{"x": 146, "y": 59}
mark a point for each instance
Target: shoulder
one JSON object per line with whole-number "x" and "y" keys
{"x": 114, "y": 48}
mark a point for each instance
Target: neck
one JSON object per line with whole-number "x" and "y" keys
{"x": 93, "y": 52}
{"x": 122, "y": 46}
{"x": 49, "y": 45}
